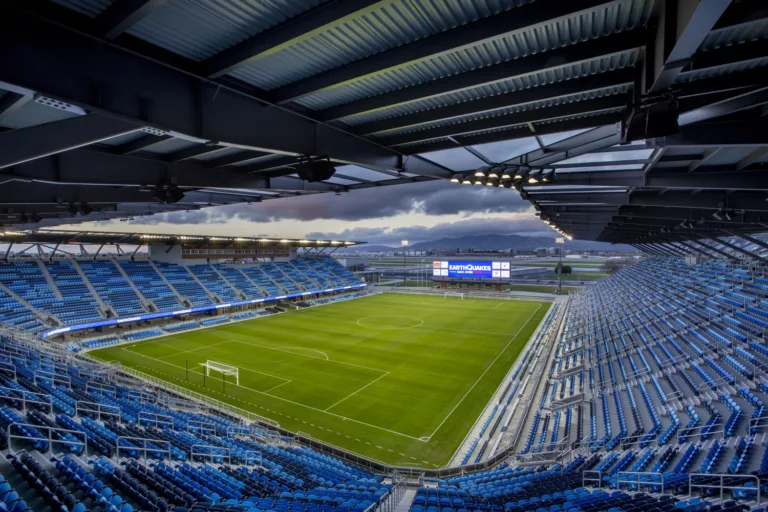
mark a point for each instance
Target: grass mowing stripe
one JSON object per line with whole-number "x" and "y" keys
{"x": 297, "y": 364}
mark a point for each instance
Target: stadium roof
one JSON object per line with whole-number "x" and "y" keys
{"x": 117, "y": 108}
{"x": 60, "y": 236}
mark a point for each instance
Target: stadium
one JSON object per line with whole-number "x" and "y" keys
{"x": 161, "y": 371}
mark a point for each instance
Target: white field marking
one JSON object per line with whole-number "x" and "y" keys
{"x": 275, "y": 387}
{"x": 497, "y": 305}
{"x": 192, "y": 350}
{"x": 437, "y": 328}
{"x": 486, "y": 371}
{"x": 298, "y": 403}
{"x": 390, "y": 328}
{"x": 310, "y": 357}
{"x": 310, "y": 349}
{"x": 356, "y": 392}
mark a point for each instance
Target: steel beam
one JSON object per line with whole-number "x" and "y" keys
{"x": 140, "y": 144}
{"x": 11, "y": 101}
{"x": 680, "y": 28}
{"x": 748, "y": 238}
{"x": 285, "y": 35}
{"x": 744, "y": 101}
{"x": 731, "y": 133}
{"x": 519, "y": 132}
{"x": 460, "y": 38}
{"x": 118, "y": 83}
{"x": 88, "y": 168}
{"x": 533, "y": 115}
{"x": 193, "y": 152}
{"x": 738, "y": 249}
{"x": 18, "y": 146}
{"x": 597, "y": 138}
{"x": 538, "y": 63}
{"x": 703, "y": 200}
{"x": 587, "y": 196}
{"x": 121, "y": 15}
{"x": 489, "y": 104}
{"x": 715, "y": 249}
{"x": 744, "y": 180}
{"x": 630, "y": 178}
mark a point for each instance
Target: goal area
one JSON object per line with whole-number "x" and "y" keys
{"x": 454, "y": 295}
{"x": 223, "y": 368}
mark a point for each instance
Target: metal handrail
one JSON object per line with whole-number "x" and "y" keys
{"x": 8, "y": 368}
{"x": 144, "y": 449}
{"x": 100, "y": 409}
{"x": 585, "y": 478}
{"x": 42, "y": 399}
{"x": 207, "y": 428}
{"x": 154, "y": 419}
{"x": 54, "y": 377}
{"x": 51, "y": 440}
{"x": 636, "y": 481}
{"x": 722, "y": 486}
{"x": 100, "y": 388}
{"x": 210, "y": 455}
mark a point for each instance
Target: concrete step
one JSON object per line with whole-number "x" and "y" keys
{"x": 406, "y": 500}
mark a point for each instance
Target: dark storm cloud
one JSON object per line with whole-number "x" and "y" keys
{"x": 470, "y": 227}
{"x": 433, "y": 198}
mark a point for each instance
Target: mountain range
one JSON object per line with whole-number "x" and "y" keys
{"x": 496, "y": 242}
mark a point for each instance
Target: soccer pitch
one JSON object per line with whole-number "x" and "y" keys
{"x": 397, "y": 378}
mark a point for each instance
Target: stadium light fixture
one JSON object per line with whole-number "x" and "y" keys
{"x": 466, "y": 182}
{"x": 454, "y": 179}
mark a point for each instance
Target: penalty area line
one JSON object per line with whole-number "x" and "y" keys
{"x": 345, "y": 418}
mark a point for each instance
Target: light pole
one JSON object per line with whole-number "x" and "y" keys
{"x": 404, "y": 244}
{"x": 560, "y": 240}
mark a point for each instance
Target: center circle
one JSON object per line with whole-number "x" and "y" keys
{"x": 390, "y": 322}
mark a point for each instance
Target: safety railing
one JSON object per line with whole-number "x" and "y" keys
{"x": 26, "y": 398}
{"x": 207, "y": 452}
{"x": 8, "y": 370}
{"x": 592, "y": 475}
{"x": 98, "y": 410}
{"x": 158, "y": 448}
{"x": 203, "y": 427}
{"x": 755, "y": 424}
{"x": 61, "y": 380}
{"x": 142, "y": 396}
{"x": 693, "y": 432}
{"x": 51, "y": 440}
{"x": 396, "y": 492}
{"x": 100, "y": 388}
{"x": 723, "y": 482}
{"x": 635, "y": 480}
{"x": 153, "y": 419}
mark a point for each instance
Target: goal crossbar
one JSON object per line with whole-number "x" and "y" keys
{"x": 223, "y": 368}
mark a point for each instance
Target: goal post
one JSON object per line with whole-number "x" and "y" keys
{"x": 453, "y": 294}
{"x": 223, "y": 368}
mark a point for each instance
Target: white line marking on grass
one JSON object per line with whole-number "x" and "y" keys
{"x": 275, "y": 387}
{"x": 497, "y": 305}
{"x": 486, "y": 371}
{"x": 310, "y": 357}
{"x": 437, "y": 328}
{"x": 356, "y": 392}
{"x": 291, "y": 401}
{"x": 395, "y": 328}
{"x": 285, "y": 349}
{"x": 193, "y": 350}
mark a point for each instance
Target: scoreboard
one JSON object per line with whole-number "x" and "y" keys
{"x": 471, "y": 269}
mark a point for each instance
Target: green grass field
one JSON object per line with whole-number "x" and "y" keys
{"x": 397, "y": 378}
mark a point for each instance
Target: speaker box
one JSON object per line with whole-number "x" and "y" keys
{"x": 315, "y": 170}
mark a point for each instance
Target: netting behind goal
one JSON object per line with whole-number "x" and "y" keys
{"x": 223, "y": 368}
{"x": 453, "y": 294}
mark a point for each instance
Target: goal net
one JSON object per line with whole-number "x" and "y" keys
{"x": 223, "y": 368}
{"x": 453, "y": 294}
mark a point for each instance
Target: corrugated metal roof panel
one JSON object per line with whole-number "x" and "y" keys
{"x": 566, "y": 72}
{"x": 198, "y": 29}
{"x": 90, "y": 8}
{"x": 609, "y": 19}
{"x": 735, "y": 35}
{"x": 392, "y": 24}
{"x": 510, "y": 110}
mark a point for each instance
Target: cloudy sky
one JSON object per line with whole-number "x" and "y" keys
{"x": 416, "y": 212}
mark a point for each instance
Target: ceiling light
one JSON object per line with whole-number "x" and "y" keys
{"x": 727, "y": 216}
{"x": 454, "y": 180}
{"x": 490, "y": 184}
{"x": 532, "y": 180}
{"x": 717, "y": 215}
{"x": 506, "y": 176}
{"x": 466, "y": 182}
{"x": 480, "y": 174}
{"x": 493, "y": 175}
